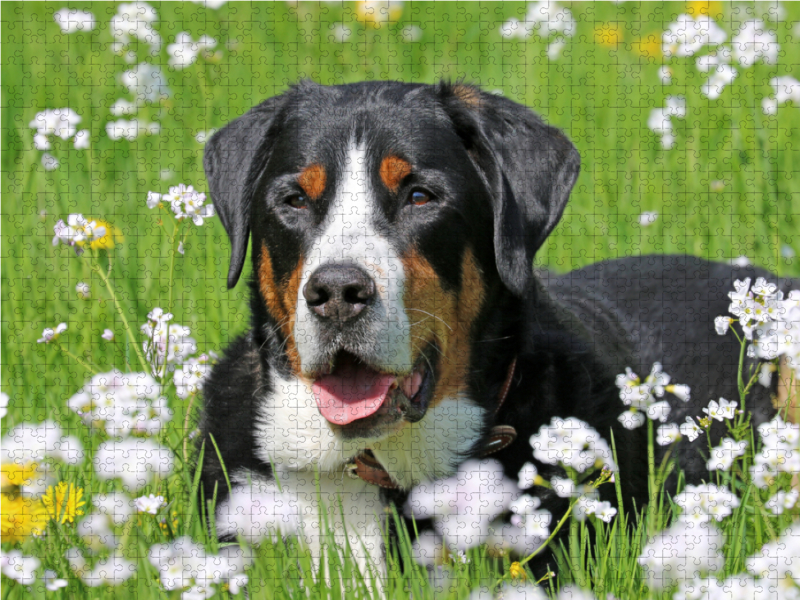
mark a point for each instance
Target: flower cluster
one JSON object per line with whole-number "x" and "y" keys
{"x": 185, "y": 50}
{"x": 190, "y": 376}
{"x": 571, "y": 443}
{"x": 702, "y": 503}
{"x": 77, "y": 232}
{"x": 49, "y": 334}
{"x": 463, "y": 506}
{"x": 166, "y": 344}
{"x": 72, "y": 20}
{"x": 184, "y": 201}
{"x": 768, "y": 320}
{"x": 787, "y": 89}
{"x": 59, "y": 122}
{"x": 643, "y": 395}
{"x": 121, "y": 404}
{"x": 133, "y": 460}
{"x": 550, "y": 21}
{"x": 184, "y": 564}
{"x": 268, "y": 514}
{"x": 687, "y": 35}
{"x": 134, "y": 20}
{"x": 780, "y": 452}
{"x": 660, "y": 122}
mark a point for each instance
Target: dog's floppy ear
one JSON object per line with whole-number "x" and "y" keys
{"x": 529, "y": 167}
{"x": 234, "y": 156}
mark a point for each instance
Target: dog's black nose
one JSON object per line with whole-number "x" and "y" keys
{"x": 339, "y": 292}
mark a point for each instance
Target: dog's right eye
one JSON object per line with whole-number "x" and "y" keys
{"x": 297, "y": 201}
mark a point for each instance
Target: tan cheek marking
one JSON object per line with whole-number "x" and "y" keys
{"x": 312, "y": 180}
{"x": 280, "y": 302}
{"x": 393, "y": 171}
{"x": 451, "y": 324}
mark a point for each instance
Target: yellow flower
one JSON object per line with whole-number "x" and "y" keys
{"x": 20, "y": 518}
{"x": 608, "y": 34}
{"x": 376, "y": 12}
{"x": 517, "y": 571}
{"x": 649, "y": 46}
{"x": 14, "y": 475}
{"x": 63, "y": 503}
{"x": 111, "y": 237}
{"x": 712, "y": 9}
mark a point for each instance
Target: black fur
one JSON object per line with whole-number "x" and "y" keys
{"x": 493, "y": 162}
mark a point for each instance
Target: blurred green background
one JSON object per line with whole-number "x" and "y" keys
{"x": 725, "y": 189}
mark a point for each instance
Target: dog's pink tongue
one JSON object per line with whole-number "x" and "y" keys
{"x": 352, "y": 392}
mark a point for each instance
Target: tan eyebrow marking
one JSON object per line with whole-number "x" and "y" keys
{"x": 312, "y": 180}
{"x": 393, "y": 170}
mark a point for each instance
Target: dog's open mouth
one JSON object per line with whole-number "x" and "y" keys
{"x": 354, "y": 391}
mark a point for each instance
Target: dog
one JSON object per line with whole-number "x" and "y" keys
{"x": 398, "y": 327}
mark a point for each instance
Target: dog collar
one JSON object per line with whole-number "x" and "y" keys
{"x": 366, "y": 467}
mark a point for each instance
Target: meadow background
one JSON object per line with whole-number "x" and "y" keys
{"x": 726, "y": 188}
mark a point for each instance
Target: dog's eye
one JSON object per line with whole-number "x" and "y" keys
{"x": 297, "y": 201}
{"x": 419, "y": 197}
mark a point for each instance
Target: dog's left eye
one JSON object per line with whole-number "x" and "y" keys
{"x": 297, "y": 201}
{"x": 419, "y": 197}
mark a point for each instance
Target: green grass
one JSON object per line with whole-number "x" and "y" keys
{"x": 600, "y": 96}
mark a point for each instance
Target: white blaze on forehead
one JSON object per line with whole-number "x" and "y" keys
{"x": 349, "y": 237}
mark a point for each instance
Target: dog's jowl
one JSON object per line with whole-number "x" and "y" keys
{"x": 398, "y": 327}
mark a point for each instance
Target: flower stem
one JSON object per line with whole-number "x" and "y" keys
{"x": 575, "y": 552}
{"x": 80, "y": 361}
{"x": 651, "y": 479}
{"x": 125, "y": 325}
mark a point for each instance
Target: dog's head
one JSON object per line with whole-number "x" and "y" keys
{"x": 385, "y": 218}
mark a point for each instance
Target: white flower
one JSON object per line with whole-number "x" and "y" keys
{"x": 198, "y": 592}
{"x": 779, "y": 559}
{"x": 686, "y": 36}
{"x": 20, "y": 568}
{"x": 528, "y": 530}
{"x": 134, "y": 20}
{"x": 722, "y": 456}
{"x": 189, "y": 377}
{"x": 564, "y": 487}
{"x": 108, "y": 335}
{"x": 550, "y": 19}
{"x": 340, "y": 33}
{"x": 77, "y": 232}
{"x": 573, "y": 443}
{"x": 690, "y": 429}
{"x": 183, "y": 563}
{"x": 147, "y": 84}
{"x": 783, "y": 501}
{"x": 97, "y": 532}
{"x": 754, "y": 42}
{"x": 741, "y": 261}
{"x": 134, "y": 460}
{"x": 83, "y": 290}
{"x": 515, "y": 29}
{"x": 255, "y": 514}
{"x": 682, "y": 552}
{"x": 123, "y": 107}
{"x": 61, "y": 122}
{"x": 181, "y": 249}
{"x": 584, "y": 507}
{"x": 648, "y": 218}
{"x": 411, "y": 34}
{"x": 659, "y": 411}
{"x": 185, "y": 202}
{"x": 72, "y": 20}
{"x": 113, "y": 570}
{"x": 49, "y": 162}
{"x": 27, "y": 443}
{"x": 527, "y": 476}
{"x": 701, "y": 503}
{"x": 122, "y": 403}
{"x": 166, "y": 344}
{"x": 49, "y": 334}
{"x": 463, "y": 506}
{"x": 786, "y": 88}
{"x": 82, "y": 140}
{"x": 555, "y": 48}
{"x": 149, "y": 504}
{"x": 769, "y": 106}
{"x": 203, "y": 136}
{"x": 631, "y": 419}
{"x": 723, "y": 410}
{"x": 238, "y": 583}
{"x": 184, "y": 51}
{"x": 722, "y": 324}
{"x": 675, "y": 106}
{"x": 212, "y": 4}
{"x": 130, "y": 130}
{"x": 115, "y": 505}
{"x": 682, "y": 391}
{"x": 50, "y": 578}
{"x": 665, "y": 75}
{"x": 667, "y": 434}
{"x": 3, "y": 404}
{"x": 722, "y": 76}
{"x": 605, "y": 512}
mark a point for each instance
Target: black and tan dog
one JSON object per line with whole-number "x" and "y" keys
{"x": 395, "y": 308}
